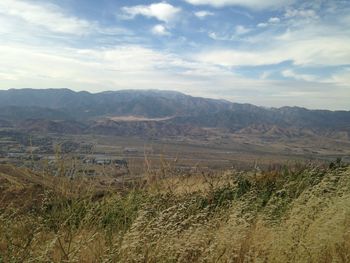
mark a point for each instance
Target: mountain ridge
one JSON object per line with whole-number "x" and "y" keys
{"x": 88, "y": 109}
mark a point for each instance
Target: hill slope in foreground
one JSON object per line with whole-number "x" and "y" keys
{"x": 295, "y": 214}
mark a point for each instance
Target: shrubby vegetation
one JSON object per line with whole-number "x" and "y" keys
{"x": 299, "y": 213}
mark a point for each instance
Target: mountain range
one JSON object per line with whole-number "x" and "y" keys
{"x": 170, "y": 113}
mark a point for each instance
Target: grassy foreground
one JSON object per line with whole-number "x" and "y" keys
{"x": 295, "y": 214}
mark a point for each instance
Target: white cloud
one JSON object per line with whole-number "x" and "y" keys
{"x": 288, "y": 73}
{"x": 230, "y": 57}
{"x": 253, "y": 4}
{"x": 47, "y": 16}
{"x": 203, "y": 13}
{"x": 132, "y": 66}
{"x": 271, "y": 21}
{"x": 304, "y": 13}
{"x": 160, "y": 30}
{"x": 262, "y": 25}
{"x": 214, "y": 36}
{"x": 241, "y": 30}
{"x": 341, "y": 78}
{"x": 162, "y": 11}
{"x": 322, "y": 51}
{"x": 265, "y": 75}
{"x": 304, "y": 44}
{"x": 274, "y": 20}
{"x": 119, "y": 67}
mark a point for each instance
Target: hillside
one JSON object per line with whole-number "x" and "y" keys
{"x": 286, "y": 214}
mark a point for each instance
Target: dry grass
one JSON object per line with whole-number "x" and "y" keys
{"x": 289, "y": 214}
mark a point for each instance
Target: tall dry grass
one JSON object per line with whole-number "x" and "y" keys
{"x": 288, "y": 214}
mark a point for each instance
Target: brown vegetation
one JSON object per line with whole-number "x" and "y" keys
{"x": 287, "y": 214}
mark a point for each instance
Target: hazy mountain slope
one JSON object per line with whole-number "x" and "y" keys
{"x": 64, "y": 104}
{"x": 44, "y": 98}
{"x": 49, "y": 126}
{"x": 149, "y": 103}
{"x": 14, "y": 113}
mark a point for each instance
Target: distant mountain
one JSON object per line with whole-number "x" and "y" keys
{"x": 66, "y": 111}
{"x": 51, "y": 126}
{"x": 14, "y": 113}
{"x": 5, "y": 124}
{"x": 148, "y": 103}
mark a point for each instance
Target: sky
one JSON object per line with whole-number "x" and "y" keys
{"x": 270, "y": 53}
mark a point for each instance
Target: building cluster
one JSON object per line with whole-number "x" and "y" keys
{"x": 105, "y": 160}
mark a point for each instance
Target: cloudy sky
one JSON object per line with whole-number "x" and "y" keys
{"x": 270, "y": 53}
